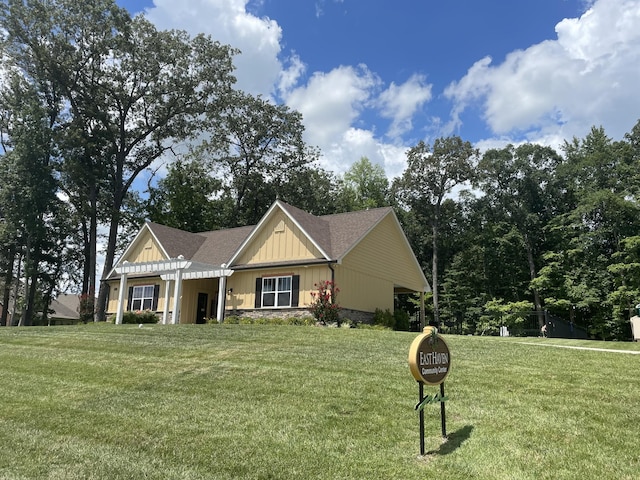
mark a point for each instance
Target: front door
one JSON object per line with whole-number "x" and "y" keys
{"x": 201, "y": 312}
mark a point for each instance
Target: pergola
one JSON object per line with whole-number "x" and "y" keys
{"x": 173, "y": 270}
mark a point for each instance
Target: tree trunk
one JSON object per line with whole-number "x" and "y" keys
{"x": 31, "y": 297}
{"x": 532, "y": 274}
{"x": 27, "y": 268}
{"x": 93, "y": 245}
{"x": 8, "y": 283}
{"x": 434, "y": 267}
{"x": 16, "y": 291}
{"x": 101, "y": 305}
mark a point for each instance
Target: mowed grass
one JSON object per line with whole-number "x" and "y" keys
{"x": 267, "y": 402}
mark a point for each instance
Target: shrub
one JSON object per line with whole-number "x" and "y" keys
{"x": 324, "y": 307}
{"x": 402, "y": 320}
{"x": 135, "y": 317}
{"x": 384, "y": 319}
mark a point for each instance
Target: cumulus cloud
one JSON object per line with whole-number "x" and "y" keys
{"x": 587, "y": 76}
{"x": 400, "y": 103}
{"x": 258, "y": 67}
{"x": 331, "y": 102}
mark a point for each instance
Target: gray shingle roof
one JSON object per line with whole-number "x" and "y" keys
{"x": 177, "y": 242}
{"x": 335, "y": 234}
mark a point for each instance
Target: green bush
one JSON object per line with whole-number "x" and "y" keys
{"x": 402, "y": 320}
{"x": 136, "y": 317}
{"x": 384, "y": 319}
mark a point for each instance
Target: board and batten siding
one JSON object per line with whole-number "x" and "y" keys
{"x": 190, "y": 291}
{"x": 278, "y": 240}
{"x": 114, "y": 285}
{"x": 243, "y": 284}
{"x": 145, "y": 250}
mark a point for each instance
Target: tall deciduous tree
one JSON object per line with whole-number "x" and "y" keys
{"x": 365, "y": 185}
{"x": 519, "y": 183}
{"x": 262, "y": 143}
{"x": 133, "y": 90}
{"x": 33, "y": 223}
{"x": 183, "y": 199}
{"x": 432, "y": 174}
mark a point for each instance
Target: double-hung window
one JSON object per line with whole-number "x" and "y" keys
{"x": 276, "y": 291}
{"x": 142, "y": 297}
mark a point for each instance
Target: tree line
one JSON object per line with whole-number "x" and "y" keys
{"x": 92, "y": 98}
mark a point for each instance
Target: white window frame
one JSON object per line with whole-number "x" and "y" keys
{"x": 277, "y": 286}
{"x": 140, "y": 294}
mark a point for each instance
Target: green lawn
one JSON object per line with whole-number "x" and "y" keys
{"x": 249, "y": 401}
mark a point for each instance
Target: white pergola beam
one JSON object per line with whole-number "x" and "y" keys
{"x": 174, "y": 270}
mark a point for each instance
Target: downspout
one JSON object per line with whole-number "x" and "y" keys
{"x": 333, "y": 276}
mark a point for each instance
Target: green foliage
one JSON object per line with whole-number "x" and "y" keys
{"x": 139, "y": 316}
{"x": 364, "y": 185}
{"x": 401, "y": 320}
{"x": 295, "y": 321}
{"x": 384, "y": 319}
{"x": 182, "y": 199}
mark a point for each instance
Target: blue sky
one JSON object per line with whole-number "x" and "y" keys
{"x": 373, "y": 77}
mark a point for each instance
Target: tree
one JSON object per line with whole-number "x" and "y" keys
{"x": 183, "y": 199}
{"x": 518, "y": 183}
{"x": 262, "y": 144}
{"x": 135, "y": 90}
{"x": 431, "y": 174}
{"x": 583, "y": 269}
{"x": 33, "y": 222}
{"x": 364, "y": 186}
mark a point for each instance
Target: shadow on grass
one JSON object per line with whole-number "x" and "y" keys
{"x": 453, "y": 441}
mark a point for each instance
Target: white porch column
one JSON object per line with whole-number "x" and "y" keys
{"x": 222, "y": 296}
{"x": 123, "y": 288}
{"x": 165, "y": 312}
{"x": 177, "y": 294}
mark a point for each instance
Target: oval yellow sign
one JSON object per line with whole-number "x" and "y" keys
{"x": 429, "y": 357}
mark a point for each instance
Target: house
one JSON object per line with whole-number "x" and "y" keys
{"x": 64, "y": 310}
{"x": 267, "y": 269}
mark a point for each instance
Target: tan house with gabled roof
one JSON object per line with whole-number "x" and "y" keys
{"x": 267, "y": 269}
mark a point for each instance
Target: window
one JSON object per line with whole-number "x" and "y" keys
{"x": 142, "y": 297}
{"x": 277, "y": 292}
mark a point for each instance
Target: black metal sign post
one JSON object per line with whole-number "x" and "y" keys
{"x": 421, "y": 414}
{"x": 430, "y": 362}
{"x": 443, "y": 417}
{"x": 422, "y": 401}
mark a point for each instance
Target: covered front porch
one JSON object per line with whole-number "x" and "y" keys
{"x": 175, "y": 272}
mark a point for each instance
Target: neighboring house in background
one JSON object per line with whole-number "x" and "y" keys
{"x": 63, "y": 310}
{"x": 269, "y": 269}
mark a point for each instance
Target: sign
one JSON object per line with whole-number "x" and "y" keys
{"x": 429, "y": 358}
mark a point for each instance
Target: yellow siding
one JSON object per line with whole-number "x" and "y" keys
{"x": 279, "y": 239}
{"x": 190, "y": 290}
{"x": 360, "y": 291}
{"x": 384, "y": 255}
{"x": 145, "y": 250}
{"x": 114, "y": 285}
{"x": 244, "y": 284}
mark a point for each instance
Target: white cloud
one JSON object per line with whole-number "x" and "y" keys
{"x": 587, "y": 76}
{"x": 331, "y": 102}
{"x": 258, "y": 67}
{"x": 400, "y": 103}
